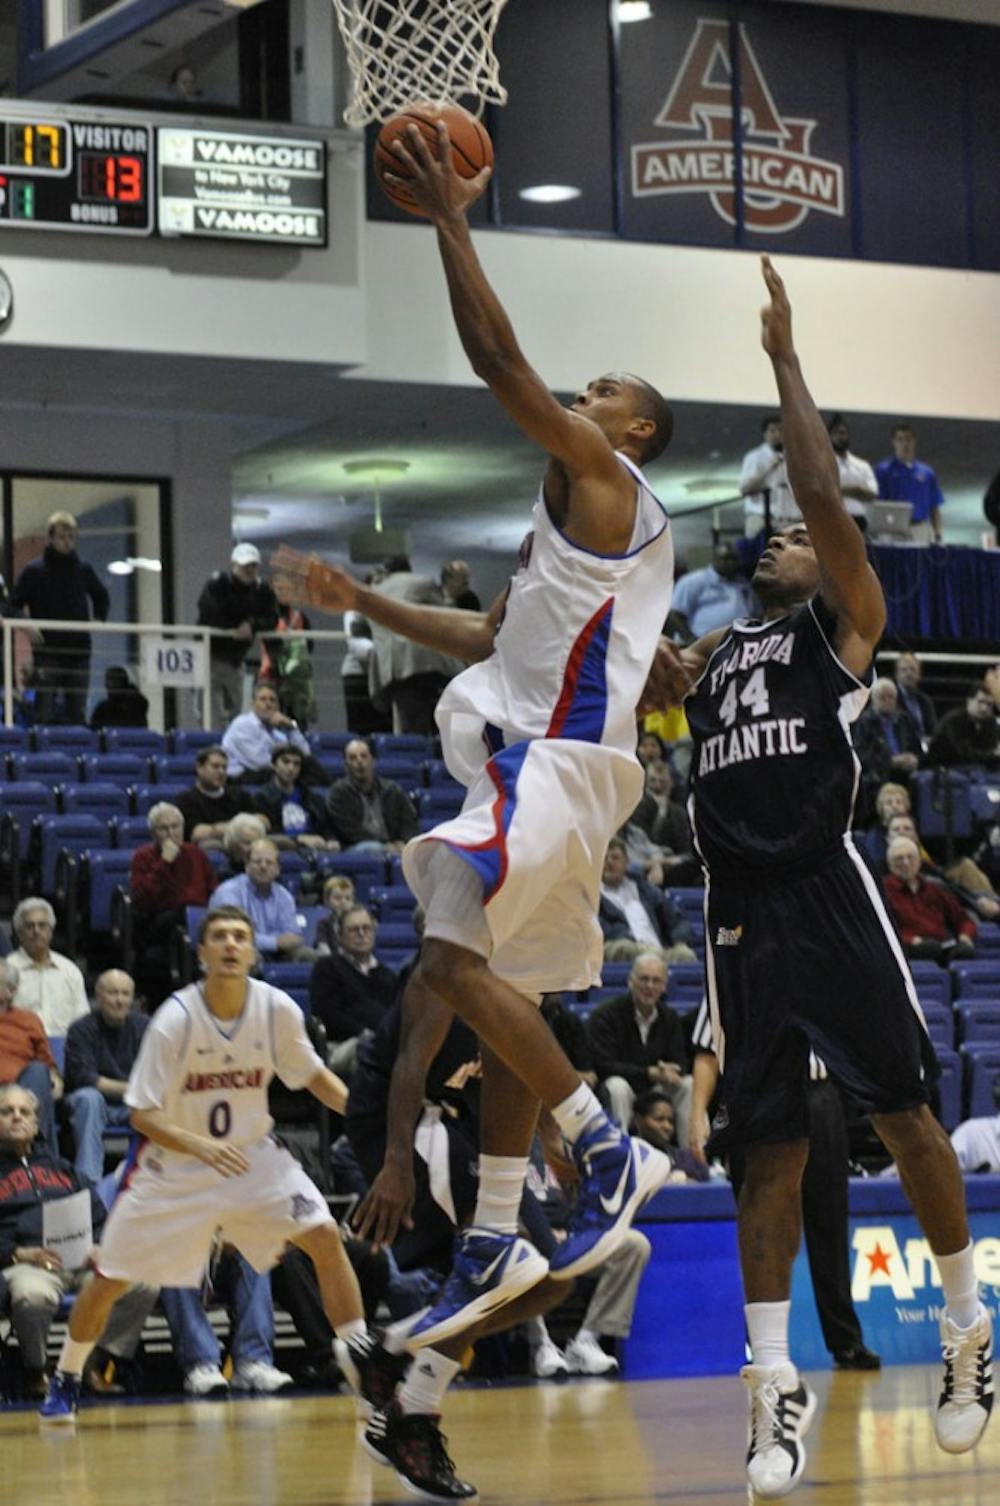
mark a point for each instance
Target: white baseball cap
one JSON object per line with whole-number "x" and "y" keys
{"x": 245, "y": 554}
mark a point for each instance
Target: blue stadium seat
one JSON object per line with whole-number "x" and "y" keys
{"x": 301, "y": 997}
{"x": 170, "y": 768}
{"x": 310, "y": 916}
{"x": 407, "y": 743}
{"x": 53, "y": 768}
{"x": 103, "y": 799}
{"x": 409, "y": 772}
{"x": 950, "y": 1087}
{"x": 978, "y": 1020}
{"x": 976, "y": 980}
{"x": 982, "y": 1068}
{"x": 106, "y": 871}
{"x": 988, "y": 942}
{"x": 941, "y": 803}
{"x": 396, "y": 902}
{"x": 67, "y": 740}
{"x": 141, "y": 740}
{"x": 396, "y": 936}
{"x": 584, "y": 1004}
{"x": 125, "y": 769}
{"x": 146, "y": 795}
{"x": 941, "y": 1029}
{"x": 333, "y": 767}
{"x": 436, "y": 773}
{"x": 130, "y": 832}
{"x": 14, "y": 740}
{"x": 685, "y": 984}
{"x": 367, "y": 869}
{"x": 20, "y": 803}
{"x": 393, "y": 958}
{"x": 325, "y": 744}
{"x": 287, "y": 975}
{"x": 52, "y": 834}
{"x": 440, "y": 802}
{"x": 934, "y": 984}
{"x": 191, "y": 739}
{"x": 984, "y": 799}
{"x": 615, "y": 975}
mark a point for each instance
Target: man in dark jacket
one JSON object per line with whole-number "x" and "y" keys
{"x": 368, "y": 812}
{"x": 634, "y": 915}
{"x": 885, "y": 738}
{"x": 638, "y": 1043}
{"x": 239, "y": 600}
{"x": 33, "y": 1277}
{"x": 59, "y": 584}
{"x": 100, "y": 1053}
{"x": 968, "y": 735}
{"x": 351, "y": 990}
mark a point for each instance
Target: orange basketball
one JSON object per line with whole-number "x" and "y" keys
{"x": 471, "y": 147}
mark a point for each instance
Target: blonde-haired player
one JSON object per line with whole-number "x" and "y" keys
{"x": 208, "y": 1163}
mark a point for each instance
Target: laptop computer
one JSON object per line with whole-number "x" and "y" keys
{"x": 889, "y": 522}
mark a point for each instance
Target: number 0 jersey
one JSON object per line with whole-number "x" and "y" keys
{"x": 210, "y": 1076}
{"x": 774, "y": 773}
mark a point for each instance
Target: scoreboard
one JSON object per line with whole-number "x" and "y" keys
{"x": 100, "y": 176}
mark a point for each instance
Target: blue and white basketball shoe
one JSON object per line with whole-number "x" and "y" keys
{"x": 489, "y": 1270}
{"x": 617, "y": 1175}
{"x": 62, "y": 1402}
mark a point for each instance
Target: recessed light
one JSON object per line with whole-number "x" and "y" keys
{"x": 549, "y": 193}
{"x": 634, "y": 10}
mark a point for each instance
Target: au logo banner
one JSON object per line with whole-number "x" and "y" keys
{"x": 783, "y": 180}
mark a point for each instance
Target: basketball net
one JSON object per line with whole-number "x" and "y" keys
{"x": 402, "y": 50}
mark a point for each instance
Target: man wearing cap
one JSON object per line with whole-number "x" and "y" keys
{"x": 236, "y": 599}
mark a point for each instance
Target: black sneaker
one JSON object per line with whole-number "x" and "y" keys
{"x": 858, "y": 1358}
{"x": 415, "y": 1447}
{"x": 371, "y": 1371}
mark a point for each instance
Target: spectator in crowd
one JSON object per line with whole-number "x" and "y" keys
{"x": 665, "y": 822}
{"x": 858, "y": 485}
{"x": 34, "y": 1279}
{"x": 977, "y": 1141}
{"x": 892, "y": 800}
{"x": 918, "y": 706}
{"x": 764, "y": 483}
{"x": 251, "y": 1344}
{"x": 338, "y": 896}
{"x": 886, "y": 741}
{"x": 239, "y": 601}
{"x": 269, "y": 905}
{"x": 213, "y": 800}
{"x": 403, "y": 674}
{"x": 240, "y": 835}
{"x": 100, "y": 1052}
{"x": 638, "y": 1042}
{"x": 966, "y": 880}
{"x": 48, "y": 982}
{"x": 456, "y": 587}
{"x": 296, "y": 815}
{"x": 650, "y": 748}
{"x": 361, "y": 714}
{"x": 634, "y": 915}
{"x": 350, "y": 990}
{"x": 250, "y": 739}
{"x": 124, "y": 705}
{"x": 26, "y": 1056}
{"x": 654, "y": 1120}
{"x": 968, "y": 735}
{"x": 929, "y": 919}
{"x": 903, "y": 478}
{"x": 286, "y": 663}
{"x": 60, "y": 585}
{"x": 368, "y": 813}
{"x": 711, "y": 598}
{"x": 165, "y": 876}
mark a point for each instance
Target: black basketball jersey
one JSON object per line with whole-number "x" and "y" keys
{"x": 774, "y": 774}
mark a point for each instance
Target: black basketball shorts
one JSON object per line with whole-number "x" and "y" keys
{"x": 800, "y": 961}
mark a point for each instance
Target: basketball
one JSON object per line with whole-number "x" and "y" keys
{"x": 471, "y": 147}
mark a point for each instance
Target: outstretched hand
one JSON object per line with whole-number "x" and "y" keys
{"x": 306, "y": 580}
{"x": 672, "y": 675}
{"x": 432, "y": 180}
{"x": 776, "y": 317}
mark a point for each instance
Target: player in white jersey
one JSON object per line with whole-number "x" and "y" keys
{"x": 208, "y": 1164}
{"x": 542, "y": 730}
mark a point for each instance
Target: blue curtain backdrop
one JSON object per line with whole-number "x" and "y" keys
{"x": 941, "y": 592}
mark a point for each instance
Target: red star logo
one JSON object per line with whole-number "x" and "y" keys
{"x": 878, "y": 1260}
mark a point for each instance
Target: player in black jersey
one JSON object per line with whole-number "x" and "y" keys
{"x": 800, "y": 951}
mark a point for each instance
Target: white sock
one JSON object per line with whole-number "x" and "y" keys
{"x": 576, "y": 1112}
{"x": 429, "y": 1378}
{"x": 961, "y": 1289}
{"x": 74, "y": 1355}
{"x": 767, "y": 1325}
{"x": 501, "y": 1183}
{"x": 354, "y": 1328}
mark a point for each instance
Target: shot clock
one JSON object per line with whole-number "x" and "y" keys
{"x": 76, "y": 175}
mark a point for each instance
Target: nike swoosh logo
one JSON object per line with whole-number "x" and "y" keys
{"x": 613, "y": 1205}
{"x": 494, "y": 1263}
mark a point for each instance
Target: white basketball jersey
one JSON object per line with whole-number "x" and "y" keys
{"x": 574, "y": 646}
{"x": 210, "y": 1076}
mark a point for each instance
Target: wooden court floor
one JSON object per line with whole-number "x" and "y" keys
{"x": 585, "y": 1443}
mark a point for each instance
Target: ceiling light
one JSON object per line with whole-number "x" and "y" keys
{"x": 120, "y": 567}
{"x": 133, "y": 563}
{"x": 634, "y": 10}
{"x": 549, "y": 193}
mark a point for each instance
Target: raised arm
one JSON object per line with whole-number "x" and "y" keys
{"x": 306, "y": 580}
{"x": 848, "y": 583}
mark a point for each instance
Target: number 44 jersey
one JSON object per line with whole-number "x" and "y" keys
{"x": 210, "y": 1076}
{"x": 774, "y": 773}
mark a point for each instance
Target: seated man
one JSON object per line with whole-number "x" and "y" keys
{"x": 165, "y": 876}
{"x": 25, "y": 1055}
{"x": 213, "y": 800}
{"x": 338, "y": 896}
{"x": 712, "y": 597}
{"x": 100, "y": 1053}
{"x": 914, "y": 701}
{"x": 635, "y": 915}
{"x": 34, "y": 1279}
{"x": 350, "y": 990}
{"x": 238, "y": 838}
{"x": 270, "y": 905}
{"x": 251, "y": 738}
{"x": 969, "y": 735}
{"x": 251, "y": 1345}
{"x": 638, "y": 1042}
{"x": 664, "y": 820}
{"x": 48, "y": 982}
{"x": 368, "y": 813}
{"x": 885, "y": 738}
{"x": 124, "y": 705}
{"x": 977, "y": 1141}
{"x": 930, "y": 921}
{"x": 964, "y": 878}
{"x": 297, "y": 816}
